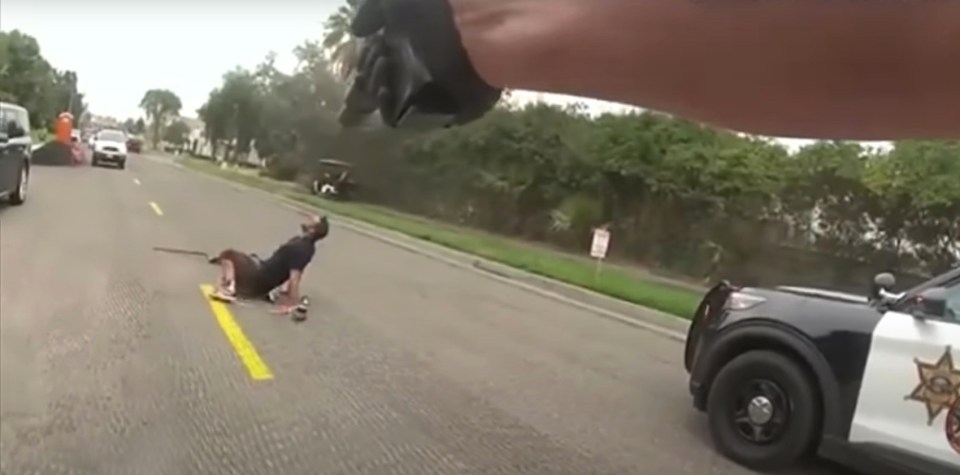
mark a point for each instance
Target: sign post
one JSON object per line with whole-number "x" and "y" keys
{"x": 599, "y": 247}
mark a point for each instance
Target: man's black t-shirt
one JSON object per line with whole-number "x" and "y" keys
{"x": 295, "y": 254}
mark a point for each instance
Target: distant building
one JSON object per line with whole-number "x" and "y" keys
{"x": 201, "y": 146}
{"x": 196, "y": 127}
{"x": 98, "y": 122}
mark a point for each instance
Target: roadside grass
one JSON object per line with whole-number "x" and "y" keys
{"x": 613, "y": 282}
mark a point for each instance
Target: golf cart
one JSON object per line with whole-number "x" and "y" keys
{"x": 333, "y": 180}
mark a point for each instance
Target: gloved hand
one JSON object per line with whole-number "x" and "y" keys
{"x": 413, "y": 68}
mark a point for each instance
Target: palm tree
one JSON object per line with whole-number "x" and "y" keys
{"x": 309, "y": 55}
{"x": 339, "y": 43}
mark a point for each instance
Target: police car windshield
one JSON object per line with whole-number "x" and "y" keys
{"x": 946, "y": 279}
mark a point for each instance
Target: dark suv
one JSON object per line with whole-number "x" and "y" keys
{"x": 16, "y": 148}
{"x": 134, "y": 145}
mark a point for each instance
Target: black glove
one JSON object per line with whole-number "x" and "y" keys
{"x": 413, "y": 67}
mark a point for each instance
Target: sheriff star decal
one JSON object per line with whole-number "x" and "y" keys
{"x": 939, "y": 391}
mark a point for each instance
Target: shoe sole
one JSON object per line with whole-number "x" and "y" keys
{"x": 223, "y": 298}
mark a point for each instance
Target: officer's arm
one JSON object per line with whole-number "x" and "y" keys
{"x": 846, "y": 69}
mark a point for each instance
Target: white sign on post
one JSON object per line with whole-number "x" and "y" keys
{"x": 601, "y": 241}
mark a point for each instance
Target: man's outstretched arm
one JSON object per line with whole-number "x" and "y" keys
{"x": 291, "y": 298}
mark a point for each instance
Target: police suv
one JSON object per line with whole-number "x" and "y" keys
{"x": 872, "y": 382}
{"x": 16, "y": 150}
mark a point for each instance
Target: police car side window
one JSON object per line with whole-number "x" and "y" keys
{"x": 23, "y": 119}
{"x": 5, "y": 117}
{"x": 953, "y": 302}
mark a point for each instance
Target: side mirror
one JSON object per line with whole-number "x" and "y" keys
{"x": 931, "y": 303}
{"x": 885, "y": 280}
{"x": 880, "y": 289}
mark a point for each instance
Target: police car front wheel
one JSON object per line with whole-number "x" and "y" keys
{"x": 764, "y": 411}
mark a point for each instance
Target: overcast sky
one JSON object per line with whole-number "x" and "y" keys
{"x": 120, "y": 49}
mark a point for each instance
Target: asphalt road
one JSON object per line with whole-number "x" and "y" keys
{"x": 113, "y": 362}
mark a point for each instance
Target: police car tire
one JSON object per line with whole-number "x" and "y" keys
{"x": 804, "y": 418}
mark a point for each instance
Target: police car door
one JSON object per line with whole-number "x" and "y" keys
{"x": 910, "y": 394}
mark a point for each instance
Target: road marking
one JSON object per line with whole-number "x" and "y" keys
{"x": 156, "y": 208}
{"x": 136, "y": 181}
{"x": 241, "y": 345}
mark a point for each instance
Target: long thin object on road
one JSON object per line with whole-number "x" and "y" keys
{"x": 188, "y": 252}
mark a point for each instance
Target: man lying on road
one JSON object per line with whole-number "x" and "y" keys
{"x": 276, "y": 279}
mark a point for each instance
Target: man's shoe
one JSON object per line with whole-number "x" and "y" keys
{"x": 224, "y": 294}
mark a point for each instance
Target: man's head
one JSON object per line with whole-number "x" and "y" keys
{"x": 316, "y": 228}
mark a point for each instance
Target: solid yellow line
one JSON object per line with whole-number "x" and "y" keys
{"x": 241, "y": 345}
{"x": 156, "y": 208}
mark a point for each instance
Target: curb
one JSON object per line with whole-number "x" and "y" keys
{"x": 654, "y": 321}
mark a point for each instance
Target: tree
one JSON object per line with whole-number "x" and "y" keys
{"x": 177, "y": 132}
{"x": 916, "y": 197}
{"x": 135, "y": 127}
{"x": 160, "y": 106}
{"x": 232, "y": 112}
{"x": 215, "y": 117}
{"x": 28, "y": 79}
{"x": 283, "y": 114}
{"x": 678, "y": 193}
{"x": 339, "y": 43}
{"x": 68, "y": 94}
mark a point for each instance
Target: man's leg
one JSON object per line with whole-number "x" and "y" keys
{"x": 228, "y": 275}
{"x": 226, "y": 285}
{"x": 237, "y": 272}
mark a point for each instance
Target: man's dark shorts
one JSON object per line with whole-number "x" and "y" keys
{"x": 246, "y": 270}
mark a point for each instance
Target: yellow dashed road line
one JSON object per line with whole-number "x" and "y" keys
{"x": 156, "y": 208}
{"x": 241, "y": 345}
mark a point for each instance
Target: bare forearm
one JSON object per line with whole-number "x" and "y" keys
{"x": 846, "y": 69}
{"x": 292, "y": 297}
{"x": 291, "y": 292}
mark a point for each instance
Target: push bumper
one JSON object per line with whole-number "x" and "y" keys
{"x": 109, "y": 157}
